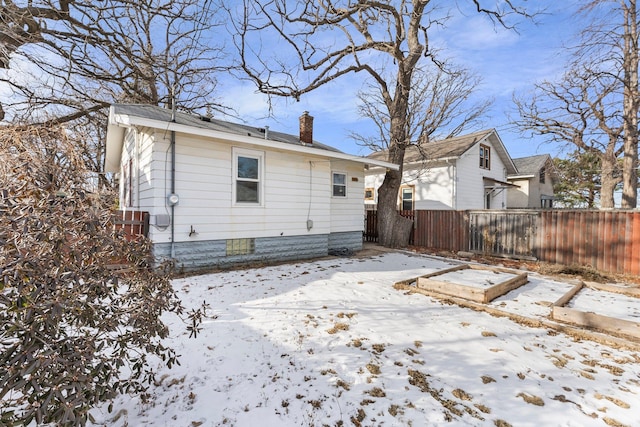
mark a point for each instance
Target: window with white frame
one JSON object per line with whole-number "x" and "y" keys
{"x": 485, "y": 157}
{"x": 406, "y": 198}
{"x": 127, "y": 184}
{"x": 248, "y": 168}
{"x": 339, "y": 184}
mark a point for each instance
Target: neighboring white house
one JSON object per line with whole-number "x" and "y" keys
{"x": 220, "y": 193}
{"x": 464, "y": 172}
{"x": 534, "y": 183}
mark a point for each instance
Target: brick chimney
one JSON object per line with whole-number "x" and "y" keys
{"x": 306, "y": 128}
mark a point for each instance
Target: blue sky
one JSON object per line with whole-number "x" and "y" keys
{"x": 508, "y": 61}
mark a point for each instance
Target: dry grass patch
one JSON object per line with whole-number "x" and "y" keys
{"x": 394, "y": 410}
{"x": 531, "y": 399}
{"x": 373, "y": 369}
{"x": 411, "y": 352}
{"x": 347, "y": 315}
{"x": 586, "y": 374}
{"x": 338, "y": 327}
{"x": 345, "y": 385}
{"x": 461, "y": 394}
{"x": 486, "y": 379}
{"x": 558, "y": 361}
{"x": 378, "y": 348}
{"x": 613, "y": 423}
{"x": 359, "y": 417}
{"x": 613, "y": 400}
{"x": 357, "y": 342}
{"x": 482, "y": 408}
{"x": 376, "y": 392}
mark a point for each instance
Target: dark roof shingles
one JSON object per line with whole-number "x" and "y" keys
{"x": 447, "y": 148}
{"x": 153, "y": 112}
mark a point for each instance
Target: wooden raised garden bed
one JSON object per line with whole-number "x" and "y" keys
{"x": 596, "y": 315}
{"x": 477, "y": 283}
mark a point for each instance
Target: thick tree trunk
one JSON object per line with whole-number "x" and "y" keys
{"x": 608, "y": 181}
{"x": 630, "y": 109}
{"x": 630, "y": 173}
{"x": 394, "y": 230}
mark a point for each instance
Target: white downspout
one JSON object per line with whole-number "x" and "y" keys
{"x": 137, "y": 157}
{"x": 454, "y": 186}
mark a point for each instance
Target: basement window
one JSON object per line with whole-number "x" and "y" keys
{"x": 241, "y": 246}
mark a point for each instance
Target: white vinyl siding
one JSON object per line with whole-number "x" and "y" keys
{"x": 470, "y": 189}
{"x": 457, "y": 184}
{"x": 519, "y": 197}
{"x": 295, "y": 188}
{"x": 347, "y": 213}
{"x": 433, "y": 187}
{"x": 485, "y": 157}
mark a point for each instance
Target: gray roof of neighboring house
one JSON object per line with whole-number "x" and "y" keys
{"x": 450, "y": 148}
{"x": 154, "y": 112}
{"x": 446, "y": 148}
{"x": 531, "y": 165}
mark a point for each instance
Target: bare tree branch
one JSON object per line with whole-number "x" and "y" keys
{"x": 385, "y": 41}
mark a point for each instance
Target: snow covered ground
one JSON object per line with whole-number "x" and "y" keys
{"x": 332, "y": 343}
{"x": 607, "y": 304}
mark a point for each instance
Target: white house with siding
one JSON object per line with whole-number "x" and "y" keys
{"x": 221, "y": 193}
{"x": 460, "y": 173}
{"x": 533, "y": 182}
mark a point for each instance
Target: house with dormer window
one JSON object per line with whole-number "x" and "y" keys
{"x": 463, "y": 172}
{"x": 533, "y": 183}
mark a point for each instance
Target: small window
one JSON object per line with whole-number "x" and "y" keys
{"x": 369, "y": 194}
{"x": 407, "y": 199}
{"x": 542, "y": 175}
{"x": 247, "y": 170}
{"x": 339, "y": 185}
{"x": 127, "y": 184}
{"x": 485, "y": 157}
{"x": 241, "y": 246}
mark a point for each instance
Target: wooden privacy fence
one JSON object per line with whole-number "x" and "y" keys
{"x": 605, "y": 240}
{"x": 371, "y": 225}
{"x": 503, "y": 233}
{"x": 134, "y": 223}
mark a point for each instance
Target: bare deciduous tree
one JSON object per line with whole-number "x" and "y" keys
{"x": 385, "y": 41}
{"x": 610, "y": 42}
{"x": 439, "y": 107}
{"x": 580, "y": 111}
{"x": 66, "y": 61}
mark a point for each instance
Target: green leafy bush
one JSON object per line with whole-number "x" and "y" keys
{"x": 74, "y": 331}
